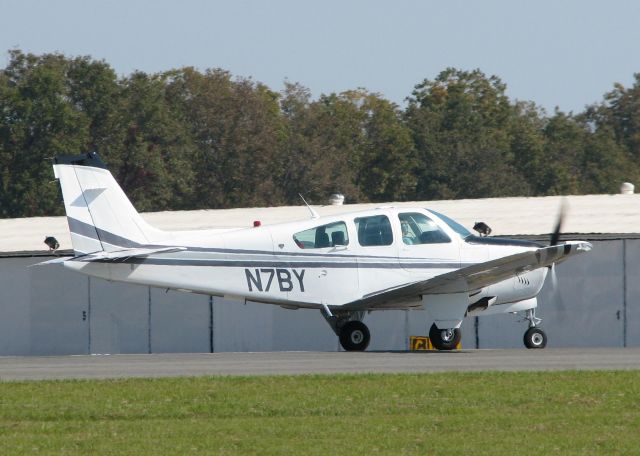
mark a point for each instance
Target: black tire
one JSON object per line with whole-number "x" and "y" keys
{"x": 444, "y": 339}
{"x": 354, "y": 336}
{"x": 535, "y": 338}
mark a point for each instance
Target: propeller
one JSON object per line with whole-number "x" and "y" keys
{"x": 555, "y": 236}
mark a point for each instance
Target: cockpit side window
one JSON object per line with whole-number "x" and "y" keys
{"x": 417, "y": 229}
{"x": 375, "y": 230}
{"x": 330, "y": 235}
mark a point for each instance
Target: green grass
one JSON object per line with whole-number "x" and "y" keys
{"x": 452, "y": 413}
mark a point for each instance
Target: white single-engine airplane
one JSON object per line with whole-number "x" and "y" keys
{"x": 343, "y": 265}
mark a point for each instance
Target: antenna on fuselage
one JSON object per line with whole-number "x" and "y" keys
{"x": 314, "y": 214}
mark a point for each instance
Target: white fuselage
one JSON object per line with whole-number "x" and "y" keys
{"x": 267, "y": 264}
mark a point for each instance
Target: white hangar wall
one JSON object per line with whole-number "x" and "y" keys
{"x": 632, "y": 293}
{"x": 47, "y": 310}
{"x": 15, "y": 309}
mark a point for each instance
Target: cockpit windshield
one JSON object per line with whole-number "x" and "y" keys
{"x": 455, "y": 226}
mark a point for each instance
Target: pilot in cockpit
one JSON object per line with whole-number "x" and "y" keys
{"x": 407, "y": 235}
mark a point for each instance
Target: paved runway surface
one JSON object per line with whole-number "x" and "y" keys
{"x": 169, "y": 365}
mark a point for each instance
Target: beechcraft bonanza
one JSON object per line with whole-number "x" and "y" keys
{"x": 344, "y": 265}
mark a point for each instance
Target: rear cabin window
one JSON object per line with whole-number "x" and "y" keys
{"x": 419, "y": 229}
{"x": 375, "y": 230}
{"x": 330, "y": 235}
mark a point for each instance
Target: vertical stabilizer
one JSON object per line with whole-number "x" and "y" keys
{"x": 100, "y": 216}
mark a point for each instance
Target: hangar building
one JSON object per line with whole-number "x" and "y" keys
{"x": 48, "y": 310}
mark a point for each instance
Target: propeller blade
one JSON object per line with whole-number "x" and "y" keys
{"x": 554, "y": 278}
{"x": 555, "y": 295}
{"x": 555, "y": 236}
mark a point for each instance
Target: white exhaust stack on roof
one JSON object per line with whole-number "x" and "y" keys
{"x": 336, "y": 199}
{"x": 627, "y": 188}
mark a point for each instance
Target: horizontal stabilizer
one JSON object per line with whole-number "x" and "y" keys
{"x": 121, "y": 255}
{"x": 58, "y": 260}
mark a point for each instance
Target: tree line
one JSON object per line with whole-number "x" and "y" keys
{"x": 190, "y": 139}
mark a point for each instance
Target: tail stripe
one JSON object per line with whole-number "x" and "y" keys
{"x": 92, "y": 232}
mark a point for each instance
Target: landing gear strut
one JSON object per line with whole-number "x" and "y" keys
{"x": 534, "y": 337}
{"x": 352, "y": 333}
{"x": 444, "y": 339}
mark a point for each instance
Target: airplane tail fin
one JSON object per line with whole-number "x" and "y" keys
{"x": 100, "y": 216}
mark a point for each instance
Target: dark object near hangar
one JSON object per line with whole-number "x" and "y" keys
{"x": 52, "y": 243}
{"x": 482, "y": 229}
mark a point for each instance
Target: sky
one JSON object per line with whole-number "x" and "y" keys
{"x": 564, "y": 54}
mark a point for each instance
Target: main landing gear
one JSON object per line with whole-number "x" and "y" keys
{"x": 354, "y": 336}
{"x": 444, "y": 339}
{"x": 352, "y": 333}
{"x": 534, "y": 337}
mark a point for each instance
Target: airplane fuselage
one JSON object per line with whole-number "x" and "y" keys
{"x": 329, "y": 261}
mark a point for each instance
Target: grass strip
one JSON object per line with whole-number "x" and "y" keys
{"x": 465, "y": 413}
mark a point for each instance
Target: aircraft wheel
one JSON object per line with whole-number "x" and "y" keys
{"x": 535, "y": 338}
{"x": 354, "y": 336}
{"x": 444, "y": 339}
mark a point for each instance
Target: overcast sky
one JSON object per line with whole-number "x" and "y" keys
{"x": 553, "y": 52}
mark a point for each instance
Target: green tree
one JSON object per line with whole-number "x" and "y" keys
{"x": 461, "y": 128}
{"x": 613, "y": 151}
{"x": 565, "y": 140}
{"x": 154, "y": 160}
{"x": 526, "y": 131}
{"x": 187, "y": 139}
{"x": 37, "y": 122}
{"x": 605, "y": 164}
{"x": 621, "y": 112}
{"x": 238, "y": 132}
{"x": 307, "y": 169}
{"x": 386, "y": 171}
{"x": 336, "y": 125}
{"x": 353, "y": 143}
{"x": 95, "y": 90}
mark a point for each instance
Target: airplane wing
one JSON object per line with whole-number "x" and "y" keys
{"x": 472, "y": 277}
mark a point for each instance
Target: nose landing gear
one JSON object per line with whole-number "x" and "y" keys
{"x": 534, "y": 337}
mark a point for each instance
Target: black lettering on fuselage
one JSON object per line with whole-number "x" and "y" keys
{"x": 284, "y": 280}
{"x": 300, "y": 277}
{"x": 271, "y": 273}
{"x": 256, "y": 280}
{"x": 285, "y": 283}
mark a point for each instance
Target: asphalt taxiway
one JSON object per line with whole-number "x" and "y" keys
{"x": 292, "y": 363}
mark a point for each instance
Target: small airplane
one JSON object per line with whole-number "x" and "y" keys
{"x": 342, "y": 265}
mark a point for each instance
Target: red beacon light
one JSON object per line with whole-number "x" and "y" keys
{"x": 257, "y": 223}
